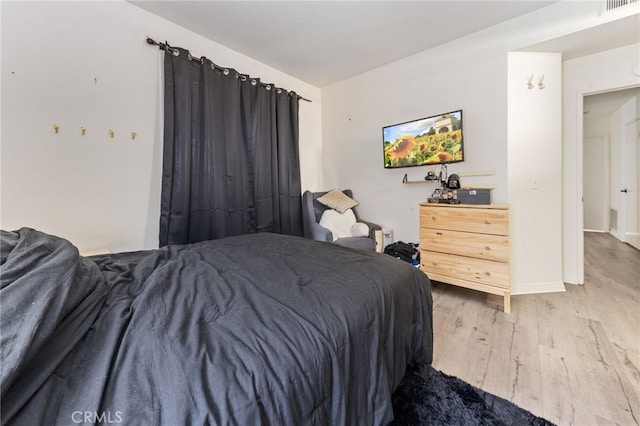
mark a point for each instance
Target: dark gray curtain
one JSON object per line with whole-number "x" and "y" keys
{"x": 230, "y": 157}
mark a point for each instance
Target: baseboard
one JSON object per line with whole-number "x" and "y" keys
{"x": 600, "y": 231}
{"x": 573, "y": 280}
{"x": 617, "y": 235}
{"x": 535, "y": 288}
{"x": 633, "y": 238}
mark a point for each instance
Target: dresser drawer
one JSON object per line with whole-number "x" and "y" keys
{"x": 482, "y": 246}
{"x": 478, "y": 271}
{"x": 484, "y": 221}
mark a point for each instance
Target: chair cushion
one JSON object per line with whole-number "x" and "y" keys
{"x": 357, "y": 243}
{"x": 337, "y": 200}
{"x": 340, "y": 224}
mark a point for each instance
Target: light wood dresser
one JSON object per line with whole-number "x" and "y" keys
{"x": 468, "y": 246}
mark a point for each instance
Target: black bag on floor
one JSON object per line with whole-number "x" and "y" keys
{"x": 407, "y": 252}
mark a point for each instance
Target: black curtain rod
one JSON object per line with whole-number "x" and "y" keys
{"x": 166, "y": 47}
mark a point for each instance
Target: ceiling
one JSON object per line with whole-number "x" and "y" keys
{"x": 614, "y": 34}
{"x": 322, "y": 42}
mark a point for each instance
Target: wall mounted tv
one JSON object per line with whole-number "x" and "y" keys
{"x": 426, "y": 141}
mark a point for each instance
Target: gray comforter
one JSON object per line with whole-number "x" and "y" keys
{"x": 258, "y": 329}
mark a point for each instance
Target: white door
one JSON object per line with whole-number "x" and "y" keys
{"x": 630, "y": 184}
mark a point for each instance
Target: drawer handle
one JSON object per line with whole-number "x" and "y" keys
{"x": 487, "y": 248}
{"x": 488, "y": 222}
{"x": 487, "y": 273}
{"x": 433, "y": 218}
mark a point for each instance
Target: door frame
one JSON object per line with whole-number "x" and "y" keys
{"x": 630, "y": 202}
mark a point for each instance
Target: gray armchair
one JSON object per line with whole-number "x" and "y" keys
{"x": 312, "y": 211}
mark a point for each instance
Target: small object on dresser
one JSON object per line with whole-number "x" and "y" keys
{"x": 473, "y": 196}
{"x": 443, "y": 200}
{"x": 453, "y": 182}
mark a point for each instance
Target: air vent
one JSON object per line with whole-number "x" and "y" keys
{"x": 617, "y": 4}
{"x": 613, "y": 219}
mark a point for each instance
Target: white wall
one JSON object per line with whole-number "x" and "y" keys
{"x": 596, "y": 183}
{"x": 355, "y": 110}
{"x": 615, "y": 199}
{"x": 591, "y": 74}
{"x": 597, "y": 172}
{"x": 534, "y": 169}
{"x": 87, "y": 64}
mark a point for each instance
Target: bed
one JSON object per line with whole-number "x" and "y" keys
{"x": 255, "y": 329}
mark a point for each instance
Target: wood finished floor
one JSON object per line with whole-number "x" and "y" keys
{"x": 572, "y": 358}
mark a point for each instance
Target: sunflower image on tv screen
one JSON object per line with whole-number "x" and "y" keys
{"x": 431, "y": 140}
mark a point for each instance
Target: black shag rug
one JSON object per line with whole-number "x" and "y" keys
{"x": 428, "y": 397}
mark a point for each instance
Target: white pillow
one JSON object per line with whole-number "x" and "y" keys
{"x": 340, "y": 224}
{"x": 359, "y": 229}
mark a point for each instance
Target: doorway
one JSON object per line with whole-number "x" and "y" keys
{"x": 610, "y": 163}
